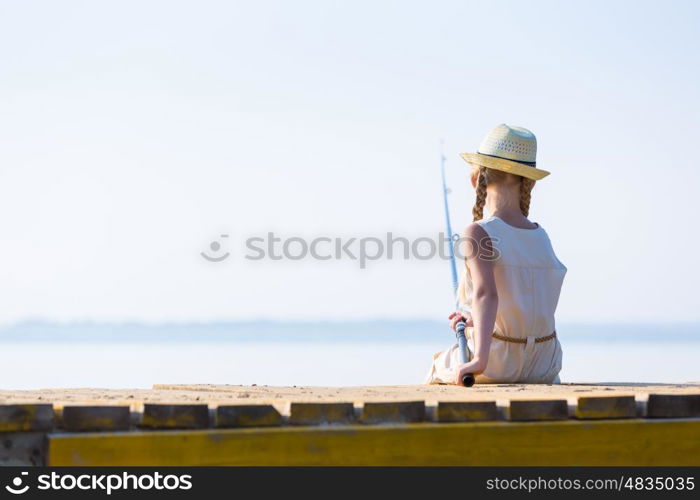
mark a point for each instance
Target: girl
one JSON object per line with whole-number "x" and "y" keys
{"x": 510, "y": 284}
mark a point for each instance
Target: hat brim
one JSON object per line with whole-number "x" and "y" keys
{"x": 510, "y": 166}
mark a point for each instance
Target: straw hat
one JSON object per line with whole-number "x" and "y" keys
{"x": 510, "y": 149}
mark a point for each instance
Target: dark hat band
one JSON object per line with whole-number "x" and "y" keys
{"x": 528, "y": 163}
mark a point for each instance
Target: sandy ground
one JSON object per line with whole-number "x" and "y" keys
{"x": 280, "y": 396}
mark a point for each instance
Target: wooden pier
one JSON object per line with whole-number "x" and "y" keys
{"x": 509, "y": 424}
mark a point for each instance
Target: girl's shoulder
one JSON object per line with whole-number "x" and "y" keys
{"x": 488, "y": 224}
{"x": 520, "y": 246}
{"x": 496, "y": 226}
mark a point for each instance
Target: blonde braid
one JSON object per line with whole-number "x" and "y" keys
{"x": 478, "y": 210}
{"x": 525, "y": 192}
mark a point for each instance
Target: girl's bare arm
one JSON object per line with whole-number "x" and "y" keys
{"x": 479, "y": 254}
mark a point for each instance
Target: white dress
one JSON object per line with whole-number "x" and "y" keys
{"x": 528, "y": 278}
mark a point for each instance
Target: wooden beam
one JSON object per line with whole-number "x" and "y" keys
{"x": 393, "y": 412}
{"x": 589, "y": 407}
{"x": 175, "y": 416}
{"x": 321, "y": 413}
{"x": 568, "y": 442}
{"x": 94, "y": 418}
{"x": 26, "y": 417}
{"x": 247, "y": 416}
{"x": 533, "y": 409}
{"x": 673, "y": 405}
{"x": 466, "y": 411}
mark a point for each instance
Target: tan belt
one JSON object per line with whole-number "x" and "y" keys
{"x": 516, "y": 340}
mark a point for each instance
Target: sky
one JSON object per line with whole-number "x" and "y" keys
{"x": 135, "y": 134}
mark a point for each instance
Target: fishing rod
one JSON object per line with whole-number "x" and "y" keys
{"x": 468, "y": 379}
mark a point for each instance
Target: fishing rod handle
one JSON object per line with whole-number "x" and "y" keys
{"x": 468, "y": 379}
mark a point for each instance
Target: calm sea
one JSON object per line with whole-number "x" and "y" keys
{"x": 45, "y": 355}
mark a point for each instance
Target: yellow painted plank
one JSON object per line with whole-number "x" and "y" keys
{"x": 570, "y": 442}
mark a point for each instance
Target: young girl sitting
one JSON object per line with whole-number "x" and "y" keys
{"x": 511, "y": 280}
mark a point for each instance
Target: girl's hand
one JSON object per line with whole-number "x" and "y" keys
{"x": 458, "y": 316}
{"x": 475, "y": 366}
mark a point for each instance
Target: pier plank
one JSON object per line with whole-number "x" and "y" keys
{"x": 533, "y": 409}
{"x": 566, "y": 443}
{"x": 175, "y": 416}
{"x": 247, "y": 416}
{"x": 26, "y": 417}
{"x": 94, "y": 418}
{"x": 185, "y": 407}
{"x": 673, "y": 405}
{"x": 252, "y": 394}
{"x": 466, "y": 411}
{"x": 321, "y": 413}
{"x": 393, "y": 412}
{"x": 592, "y": 407}
{"x": 479, "y": 392}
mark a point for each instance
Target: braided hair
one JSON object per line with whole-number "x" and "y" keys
{"x": 481, "y": 183}
{"x": 488, "y": 176}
